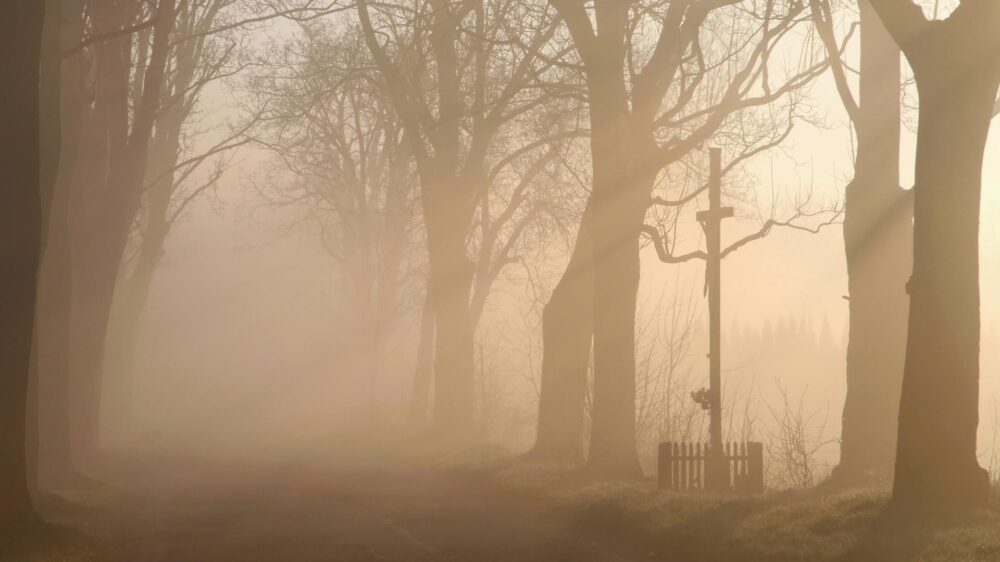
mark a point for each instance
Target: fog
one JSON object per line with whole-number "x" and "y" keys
{"x": 435, "y": 279}
{"x": 255, "y": 294}
{"x": 242, "y": 318}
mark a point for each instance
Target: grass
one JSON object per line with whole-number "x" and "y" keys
{"x": 45, "y": 542}
{"x": 632, "y": 521}
{"x": 787, "y": 526}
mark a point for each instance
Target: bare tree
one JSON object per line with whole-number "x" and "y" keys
{"x": 118, "y": 64}
{"x": 794, "y": 439}
{"x": 344, "y": 162}
{"x": 172, "y": 182}
{"x": 20, "y": 246}
{"x": 956, "y": 64}
{"x": 665, "y": 338}
{"x": 117, "y": 117}
{"x": 651, "y": 104}
{"x": 457, "y": 73}
{"x": 878, "y": 237}
{"x": 63, "y": 99}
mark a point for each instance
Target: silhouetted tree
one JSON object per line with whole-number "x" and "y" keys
{"x": 121, "y": 60}
{"x": 200, "y": 55}
{"x": 878, "y": 239}
{"x": 343, "y": 161}
{"x": 20, "y": 244}
{"x": 455, "y": 89}
{"x": 59, "y": 128}
{"x": 956, "y": 65}
{"x": 651, "y": 103}
{"x": 106, "y": 188}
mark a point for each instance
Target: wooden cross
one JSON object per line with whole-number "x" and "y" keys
{"x": 716, "y": 467}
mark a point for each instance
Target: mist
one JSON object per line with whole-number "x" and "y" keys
{"x": 500, "y": 280}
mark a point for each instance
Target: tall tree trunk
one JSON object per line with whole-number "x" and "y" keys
{"x": 133, "y": 289}
{"x": 90, "y": 164}
{"x": 450, "y": 287}
{"x": 878, "y": 239}
{"x": 20, "y": 245}
{"x": 54, "y": 304}
{"x": 619, "y": 207}
{"x": 596, "y": 299}
{"x": 957, "y": 80}
{"x": 567, "y": 333}
{"x": 104, "y": 210}
{"x": 56, "y": 465}
{"x": 49, "y": 143}
{"x": 613, "y": 450}
{"x": 94, "y": 275}
{"x": 423, "y": 373}
{"x": 615, "y": 234}
{"x": 131, "y": 294}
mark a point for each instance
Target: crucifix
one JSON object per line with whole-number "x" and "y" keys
{"x": 716, "y": 465}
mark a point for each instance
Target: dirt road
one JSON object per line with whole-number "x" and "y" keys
{"x": 406, "y": 515}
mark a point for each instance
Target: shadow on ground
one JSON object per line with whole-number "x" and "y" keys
{"x": 497, "y": 513}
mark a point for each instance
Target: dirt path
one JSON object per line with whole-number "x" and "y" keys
{"x": 406, "y": 516}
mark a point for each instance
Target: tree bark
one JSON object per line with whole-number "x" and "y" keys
{"x": 567, "y": 334}
{"x": 957, "y": 76}
{"x": 447, "y": 213}
{"x": 105, "y": 204}
{"x": 94, "y": 278}
{"x": 20, "y": 245}
{"x": 133, "y": 289}
{"x": 57, "y": 468}
{"x": 878, "y": 239}
{"x": 424, "y": 370}
{"x": 49, "y": 125}
{"x": 615, "y": 233}
{"x": 619, "y": 199}
{"x": 936, "y": 455}
{"x": 603, "y": 275}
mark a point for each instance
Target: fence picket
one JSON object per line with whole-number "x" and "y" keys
{"x": 681, "y": 465}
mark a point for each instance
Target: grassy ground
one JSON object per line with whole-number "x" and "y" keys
{"x": 790, "y": 526}
{"x": 492, "y": 512}
{"x": 45, "y": 542}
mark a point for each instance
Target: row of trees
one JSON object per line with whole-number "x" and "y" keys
{"x": 932, "y": 366}
{"x": 481, "y": 112}
{"x": 462, "y": 76}
{"x": 648, "y": 107}
{"x": 118, "y": 83}
{"x": 956, "y": 66}
{"x": 20, "y": 246}
{"x": 126, "y": 79}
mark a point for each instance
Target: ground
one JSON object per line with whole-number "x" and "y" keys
{"x": 493, "y": 512}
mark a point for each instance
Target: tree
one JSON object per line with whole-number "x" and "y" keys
{"x": 200, "y": 55}
{"x": 456, "y": 73}
{"x": 878, "y": 239}
{"x": 956, "y": 65}
{"x": 59, "y": 127}
{"x": 193, "y": 61}
{"x": 651, "y": 104}
{"x": 20, "y": 245}
{"x": 121, "y": 60}
{"x": 343, "y": 162}
{"x": 106, "y": 188}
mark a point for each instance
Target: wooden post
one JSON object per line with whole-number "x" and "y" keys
{"x": 685, "y": 458}
{"x": 755, "y": 468}
{"x": 699, "y": 465}
{"x": 716, "y": 465}
{"x": 665, "y": 466}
